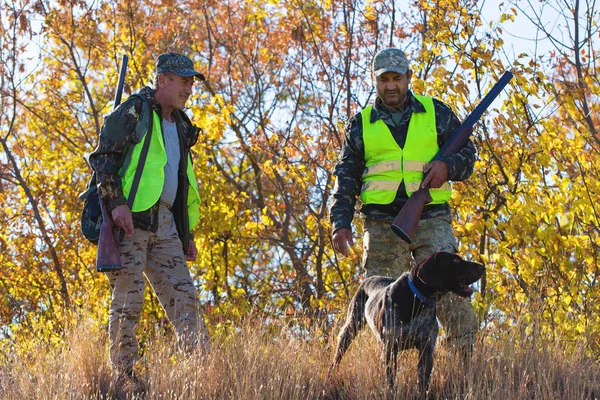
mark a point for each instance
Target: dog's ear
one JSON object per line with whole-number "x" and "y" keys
{"x": 439, "y": 267}
{"x": 429, "y": 270}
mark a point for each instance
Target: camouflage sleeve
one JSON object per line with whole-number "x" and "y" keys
{"x": 460, "y": 164}
{"x": 116, "y": 135}
{"x": 348, "y": 173}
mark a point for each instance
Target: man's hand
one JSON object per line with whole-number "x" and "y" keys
{"x": 121, "y": 216}
{"x": 436, "y": 174}
{"x": 342, "y": 240}
{"x": 192, "y": 251}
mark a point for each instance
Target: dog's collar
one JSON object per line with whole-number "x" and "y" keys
{"x": 418, "y": 294}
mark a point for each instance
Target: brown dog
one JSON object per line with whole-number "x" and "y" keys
{"x": 401, "y": 313}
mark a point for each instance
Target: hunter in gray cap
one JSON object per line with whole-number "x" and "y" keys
{"x": 177, "y": 64}
{"x": 386, "y": 156}
{"x": 390, "y": 60}
{"x": 159, "y": 219}
{"x": 392, "y": 77}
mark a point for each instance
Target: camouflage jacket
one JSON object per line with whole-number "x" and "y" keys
{"x": 116, "y": 136}
{"x": 351, "y": 162}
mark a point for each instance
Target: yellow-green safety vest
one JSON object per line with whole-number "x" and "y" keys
{"x": 153, "y": 176}
{"x": 387, "y": 165}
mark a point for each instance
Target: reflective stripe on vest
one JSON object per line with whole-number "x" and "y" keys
{"x": 387, "y": 164}
{"x": 153, "y": 176}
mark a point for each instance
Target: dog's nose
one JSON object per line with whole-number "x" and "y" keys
{"x": 480, "y": 270}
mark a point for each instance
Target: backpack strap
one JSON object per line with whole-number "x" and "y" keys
{"x": 91, "y": 186}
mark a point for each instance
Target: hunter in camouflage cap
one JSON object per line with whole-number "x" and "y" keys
{"x": 390, "y": 60}
{"x": 177, "y": 64}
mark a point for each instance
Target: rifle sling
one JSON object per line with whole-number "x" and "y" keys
{"x": 140, "y": 167}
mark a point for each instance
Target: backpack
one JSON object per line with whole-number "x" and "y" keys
{"x": 91, "y": 213}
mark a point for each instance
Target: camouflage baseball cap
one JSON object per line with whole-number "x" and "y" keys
{"x": 390, "y": 60}
{"x": 177, "y": 64}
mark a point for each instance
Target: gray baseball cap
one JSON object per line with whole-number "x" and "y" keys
{"x": 390, "y": 60}
{"x": 177, "y": 64}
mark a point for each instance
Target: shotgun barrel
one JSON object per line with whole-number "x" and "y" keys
{"x": 407, "y": 220}
{"x": 108, "y": 258}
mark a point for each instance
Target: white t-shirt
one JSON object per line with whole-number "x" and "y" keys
{"x": 171, "y": 140}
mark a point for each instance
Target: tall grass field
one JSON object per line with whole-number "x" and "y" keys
{"x": 258, "y": 362}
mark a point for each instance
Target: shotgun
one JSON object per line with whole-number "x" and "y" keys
{"x": 405, "y": 224}
{"x": 108, "y": 258}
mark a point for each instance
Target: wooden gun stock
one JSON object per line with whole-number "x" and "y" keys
{"x": 406, "y": 222}
{"x": 108, "y": 258}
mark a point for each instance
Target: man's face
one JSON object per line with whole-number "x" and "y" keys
{"x": 176, "y": 89}
{"x": 392, "y": 88}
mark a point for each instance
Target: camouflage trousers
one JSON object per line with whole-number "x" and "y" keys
{"x": 159, "y": 257}
{"x": 387, "y": 255}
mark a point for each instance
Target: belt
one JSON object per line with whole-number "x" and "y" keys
{"x": 165, "y": 204}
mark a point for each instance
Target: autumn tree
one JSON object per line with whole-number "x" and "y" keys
{"x": 536, "y": 220}
{"x": 282, "y": 79}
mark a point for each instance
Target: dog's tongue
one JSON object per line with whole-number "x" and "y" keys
{"x": 467, "y": 291}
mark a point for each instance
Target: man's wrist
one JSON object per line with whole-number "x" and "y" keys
{"x": 337, "y": 226}
{"x": 450, "y": 165}
{"x": 114, "y": 203}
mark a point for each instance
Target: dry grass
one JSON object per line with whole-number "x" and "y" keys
{"x": 252, "y": 364}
